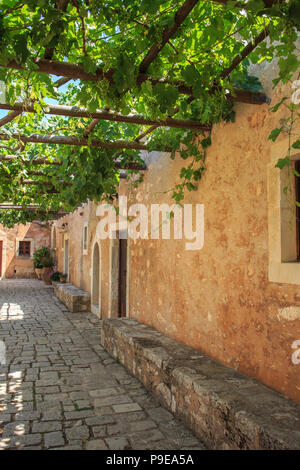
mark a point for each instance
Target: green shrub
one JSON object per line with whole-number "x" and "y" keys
{"x": 43, "y": 252}
{"x": 55, "y": 276}
{"x": 47, "y": 262}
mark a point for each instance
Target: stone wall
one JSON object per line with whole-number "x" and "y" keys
{"x": 14, "y": 266}
{"x": 219, "y": 300}
{"x": 226, "y": 409}
{"x": 80, "y": 264}
{"x": 75, "y": 299}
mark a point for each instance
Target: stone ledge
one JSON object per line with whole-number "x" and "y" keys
{"x": 75, "y": 299}
{"x": 225, "y": 408}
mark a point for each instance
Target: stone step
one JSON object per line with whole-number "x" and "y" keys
{"x": 75, "y": 299}
{"x": 226, "y": 409}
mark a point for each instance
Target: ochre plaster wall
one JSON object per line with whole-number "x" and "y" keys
{"x": 219, "y": 299}
{"x": 16, "y": 266}
{"x": 80, "y": 265}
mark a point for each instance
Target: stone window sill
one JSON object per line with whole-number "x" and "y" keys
{"x": 285, "y": 272}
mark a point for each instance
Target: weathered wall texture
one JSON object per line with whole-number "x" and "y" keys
{"x": 218, "y": 300}
{"x": 18, "y": 266}
{"x": 76, "y": 300}
{"x": 80, "y": 265}
{"x": 225, "y": 408}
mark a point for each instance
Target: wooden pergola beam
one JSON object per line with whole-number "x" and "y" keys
{"x": 29, "y": 208}
{"x": 37, "y": 161}
{"x": 118, "y": 165}
{"x": 43, "y": 161}
{"x": 244, "y": 53}
{"x": 244, "y": 96}
{"x": 130, "y": 166}
{"x": 77, "y": 141}
{"x": 52, "y": 189}
{"x": 39, "y": 173}
{"x": 16, "y": 207}
{"x": 91, "y": 127}
{"x": 73, "y": 111}
{"x": 41, "y": 183}
{"x": 61, "y": 81}
{"x": 145, "y": 133}
{"x": 9, "y": 117}
{"x": 179, "y": 18}
{"x": 74, "y": 71}
{"x": 268, "y": 3}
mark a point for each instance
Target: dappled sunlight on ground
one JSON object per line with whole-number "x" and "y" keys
{"x": 60, "y": 389}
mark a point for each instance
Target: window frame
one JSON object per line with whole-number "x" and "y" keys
{"x": 85, "y": 230}
{"x": 24, "y": 240}
{"x": 284, "y": 267}
{"x": 297, "y": 211}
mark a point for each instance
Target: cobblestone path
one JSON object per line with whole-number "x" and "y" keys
{"x": 60, "y": 389}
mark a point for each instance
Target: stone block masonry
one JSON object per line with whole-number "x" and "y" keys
{"x": 226, "y": 409}
{"x": 74, "y": 298}
{"x": 59, "y": 389}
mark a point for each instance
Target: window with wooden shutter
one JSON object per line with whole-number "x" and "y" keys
{"x": 24, "y": 248}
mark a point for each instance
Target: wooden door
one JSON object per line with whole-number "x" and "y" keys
{"x": 66, "y": 263}
{"x": 1, "y": 247}
{"x": 122, "y": 276}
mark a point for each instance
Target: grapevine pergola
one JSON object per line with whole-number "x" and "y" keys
{"x": 90, "y": 84}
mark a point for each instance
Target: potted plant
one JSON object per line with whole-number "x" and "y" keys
{"x": 38, "y": 269}
{"x": 63, "y": 278}
{"x": 37, "y": 260}
{"x": 48, "y": 264}
{"x": 55, "y": 276}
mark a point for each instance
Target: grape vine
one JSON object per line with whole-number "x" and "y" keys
{"x": 115, "y": 35}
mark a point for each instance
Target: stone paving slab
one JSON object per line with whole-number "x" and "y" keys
{"x": 225, "y": 408}
{"x": 59, "y": 389}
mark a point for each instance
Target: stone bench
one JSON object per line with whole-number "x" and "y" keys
{"x": 225, "y": 408}
{"x": 75, "y": 299}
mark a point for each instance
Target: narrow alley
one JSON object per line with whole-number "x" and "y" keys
{"x": 59, "y": 389}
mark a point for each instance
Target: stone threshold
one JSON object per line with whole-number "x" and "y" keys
{"x": 226, "y": 409}
{"x": 75, "y": 299}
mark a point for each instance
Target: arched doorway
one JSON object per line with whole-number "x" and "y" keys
{"x": 96, "y": 291}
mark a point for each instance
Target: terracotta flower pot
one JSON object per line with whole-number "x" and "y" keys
{"x": 46, "y": 275}
{"x": 63, "y": 280}
{"x": 38, "y": 272}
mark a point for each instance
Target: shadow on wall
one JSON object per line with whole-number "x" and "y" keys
{"x": 13, "y": 265}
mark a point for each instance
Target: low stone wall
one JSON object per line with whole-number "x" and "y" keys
{"x": 75, "y": 299}
{"x": 226, "y": 409}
